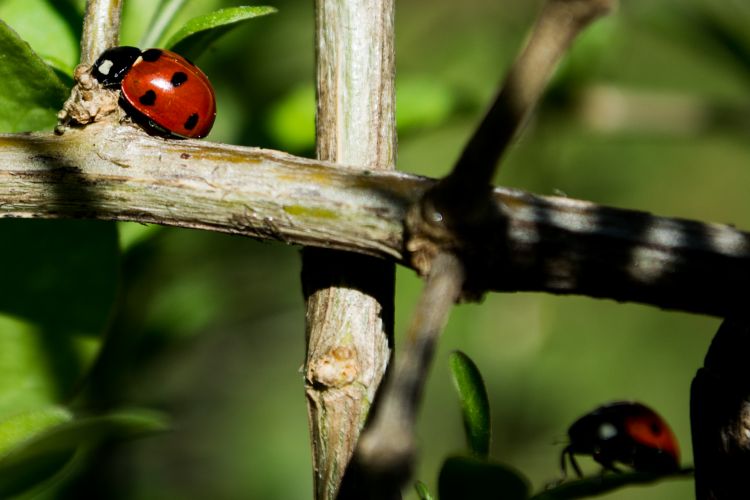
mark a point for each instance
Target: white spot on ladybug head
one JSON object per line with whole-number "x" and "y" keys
{"x": 105, "y": 66}
{"x": 607, "y": 431}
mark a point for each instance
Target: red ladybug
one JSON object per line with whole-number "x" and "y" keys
{"x": 623, "y": 432}
{"x": 160, "y": 89}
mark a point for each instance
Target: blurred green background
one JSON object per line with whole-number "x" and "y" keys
{"x": 649, "y": 111}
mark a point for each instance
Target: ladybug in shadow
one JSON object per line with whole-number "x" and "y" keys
{"x": 623, "y": 432}
{"x": 161, "y": 90}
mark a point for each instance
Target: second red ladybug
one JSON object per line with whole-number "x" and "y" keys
{"x": 160, "y": 89}
{"x": 623, "y": 432}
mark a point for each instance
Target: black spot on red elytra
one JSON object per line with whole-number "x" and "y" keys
{"x": 178, "y": 79}
{"x": 148, "y": 98}
{"x": 151, "y": 55}
{"x": 191, "y": 122}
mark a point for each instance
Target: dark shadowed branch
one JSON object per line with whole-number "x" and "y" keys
{"x": 456, "y": 234}
{"x": 720, "y": 415}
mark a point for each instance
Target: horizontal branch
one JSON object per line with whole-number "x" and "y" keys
{"x": 548, "y": 244}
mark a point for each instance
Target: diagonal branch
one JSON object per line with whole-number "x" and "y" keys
{"x": 387, "y": 448}
{"x": 559, "y": 23}
{"x": 549, "y": 244}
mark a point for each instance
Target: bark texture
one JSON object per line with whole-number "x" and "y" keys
{"x": 349, "y": 297}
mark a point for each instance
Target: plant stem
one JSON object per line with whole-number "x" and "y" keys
{"x": 349, "y": 297}
{"x": 101, "y": 28}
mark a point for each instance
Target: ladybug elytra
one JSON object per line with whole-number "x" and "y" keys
{"x": 623, "y": 432}
{"x": 159, "y": 88}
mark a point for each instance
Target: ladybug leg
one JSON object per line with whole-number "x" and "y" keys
{"x": 575, "y": 466}
{"x": 567, "y": 454}
{"x": 607, "y": 465}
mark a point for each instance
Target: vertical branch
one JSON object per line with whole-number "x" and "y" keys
{"x": 720, "y": 415}
{"x": 101, "y": 28}
{"x": 349, "y": 297}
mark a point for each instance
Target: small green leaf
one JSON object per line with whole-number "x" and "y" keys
{"x": 21, "y": 427}
{"x": 38, "y": 459}
{"x": 200, "y": 32}
{"x": 124, "y": 424}
{"x": 422, "y": 492}
{"x": 30, "y": 91}
{"x": 475, "y": 405}
{"x": 163, "y": 17}
{"x": 604, "y": 483}
{"x": 468, "y": 478}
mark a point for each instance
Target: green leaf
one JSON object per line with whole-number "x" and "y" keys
{"x": 30, "y": 91}
{"x": 469, "y": 478}
{"x": 39, "y": 459}
{"x": 422, "y": 492}
{"x": 22, "y": 426}
{"x": 475, "y": 405}
{"x": 56, "y": 299}
{"x": 163, "y": 17}
{"x": 603, "y": 483}
{"x": 53, "y": 29}
{"x": 200, "y": 32}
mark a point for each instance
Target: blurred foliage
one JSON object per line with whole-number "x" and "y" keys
{"x": 649, "y": 111}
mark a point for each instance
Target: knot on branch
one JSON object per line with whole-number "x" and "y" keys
{"x": 336, "y": 368}
{"x": 451, "y": 219}
{"x": 89, "y": 102}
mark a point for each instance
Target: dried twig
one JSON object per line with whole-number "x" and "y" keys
{"x": 387, "y": 447}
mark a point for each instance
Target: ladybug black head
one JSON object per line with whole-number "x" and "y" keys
{"x": 113, "y": 65}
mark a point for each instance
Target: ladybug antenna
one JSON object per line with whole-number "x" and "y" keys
{"x": 559, "y": 441}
